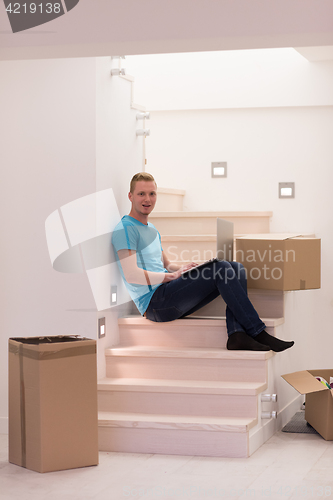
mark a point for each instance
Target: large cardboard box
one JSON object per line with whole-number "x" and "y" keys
{"x": 318, "y": 399}
{"x": 53, "y": 403}
{"x": 280, "y": 261}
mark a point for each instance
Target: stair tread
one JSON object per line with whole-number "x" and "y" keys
{"x": 210, "y": 214}
{"x": 185, "y": 352}
{"x": 181, "y": 386}
{"x": 188, "y": 237}
{"x": 143, "y": 420}
{"x": 198, "y": 237}
{"x": 137, "y": 319}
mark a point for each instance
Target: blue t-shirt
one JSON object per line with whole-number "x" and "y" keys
{"x": 145, "y": 240}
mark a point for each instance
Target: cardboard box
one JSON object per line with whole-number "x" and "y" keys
{"x": 280, "y": 261}
{"x": 53, "y": 403}
{"x": 318, "y": 399}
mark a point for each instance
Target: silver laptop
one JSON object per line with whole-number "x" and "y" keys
{"x": 224, "y": 244}
{"x": 225, "y": 240}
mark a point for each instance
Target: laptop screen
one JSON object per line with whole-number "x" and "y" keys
{"x": 225, "y": 240}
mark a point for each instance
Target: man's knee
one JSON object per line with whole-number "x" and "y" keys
{"x": 230, "y": 270}
{"x": 239, "y": 269}
{"x": 224, "y": 271}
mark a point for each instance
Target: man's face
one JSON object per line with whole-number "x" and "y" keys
{"x": 144, "y": 197}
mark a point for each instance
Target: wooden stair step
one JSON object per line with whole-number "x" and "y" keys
{"x": 181, "y": 222}
{"x": 193, "y": 249}
{"x": 188, "y": 237}
{"x": 169, "y": 199}
{"x": 182, "y": 248}
{"x": 192, "y": 331}
{"x": 213, "y": 214}
{"x": 196, "y": 237}
{"x": 171, "y": 191}
{"x": 189, "y": 422}
{"x": 138, "y": 320}
{"x": 181, "y": 386}
{"x": 174, "y": 434}
{"x": 188, "y": 352}
{"x": 180, "y": 397}
{"x": 187, "y": 363}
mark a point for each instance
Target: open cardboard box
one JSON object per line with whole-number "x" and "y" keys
{"x": 318, "y": 399}
{"x": 53, "y": 423}
{"x": 274, "y": 261}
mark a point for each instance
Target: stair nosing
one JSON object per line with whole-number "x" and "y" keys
{"x": 210, "y": 214}
{"x": 186, "y": 352}
{"x": 185, "y": 422}
{"x": 189, "y": 237}
{"x": 181, "y": 386}
{"x": 212, "y": 321}
{"x": 198, "y": 237}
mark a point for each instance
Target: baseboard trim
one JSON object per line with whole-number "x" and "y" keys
{"x": 3, "y": 425}
{"x": 266, "y": 431}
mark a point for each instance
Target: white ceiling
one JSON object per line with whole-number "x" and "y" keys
{"x": 113, "y": 27}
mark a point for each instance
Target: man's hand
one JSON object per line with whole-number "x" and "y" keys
{"x": 188, "y": 266}
{"x": 175, "y": 275}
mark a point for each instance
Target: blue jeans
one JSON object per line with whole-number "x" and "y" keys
{"x": 188, "y": 293}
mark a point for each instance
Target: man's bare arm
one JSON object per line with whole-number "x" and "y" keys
{"x": 135, "y": 275}
{"x": 168, "y": 265}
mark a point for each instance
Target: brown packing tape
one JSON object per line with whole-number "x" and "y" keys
{"x": 22, "y": 410}
{"x": 23, "y": 350}
{"x": 302, "y": 285}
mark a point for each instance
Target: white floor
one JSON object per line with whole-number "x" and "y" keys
{"x": 295, "y": 466}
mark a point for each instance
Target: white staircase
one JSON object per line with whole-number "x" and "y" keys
{"x": 173, "y": 388}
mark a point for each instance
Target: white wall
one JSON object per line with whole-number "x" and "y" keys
{"x": 262, "y": 147}
{"x": 47, "y": 160}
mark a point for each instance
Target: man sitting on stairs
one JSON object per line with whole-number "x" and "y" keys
{"x": 162, "y": 292}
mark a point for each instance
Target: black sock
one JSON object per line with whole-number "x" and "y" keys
{"x": 240, "y": 341}
{"x": 274, "y": 343}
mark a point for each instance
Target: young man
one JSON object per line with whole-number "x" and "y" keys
{"x": 162, "y": 293}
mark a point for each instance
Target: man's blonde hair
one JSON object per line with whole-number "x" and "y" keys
{"x": 141, "y": 176}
